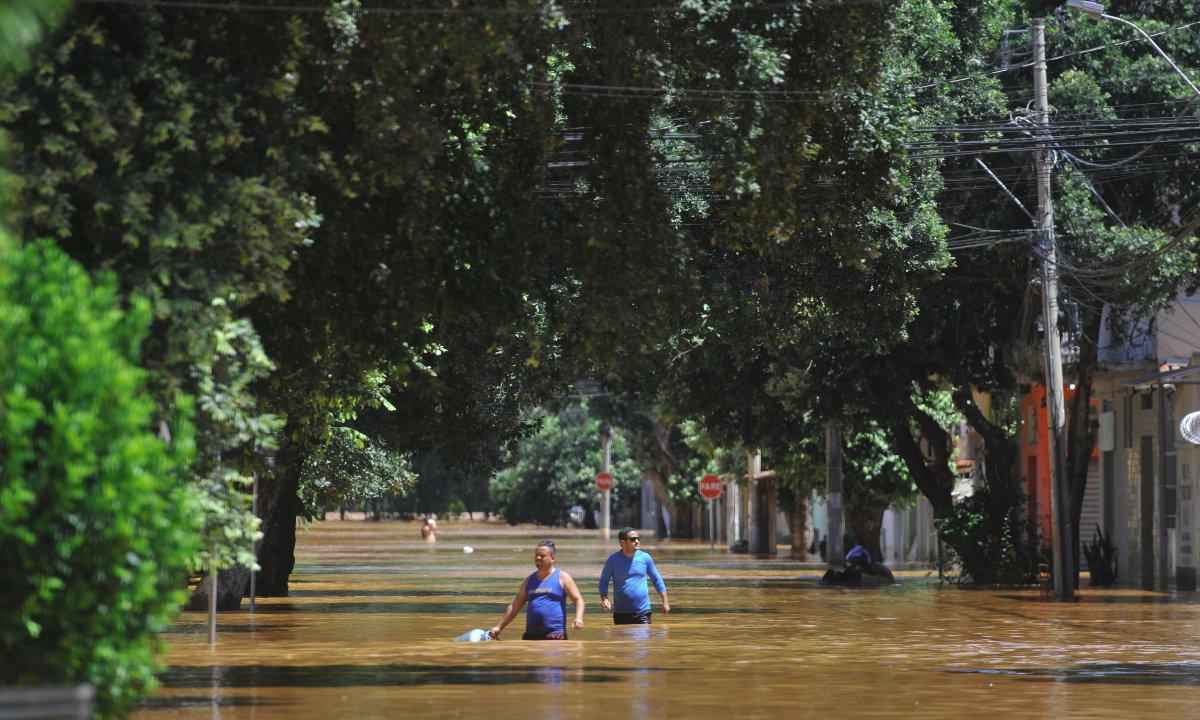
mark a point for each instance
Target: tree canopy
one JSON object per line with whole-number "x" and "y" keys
{"x": 378, "y": 241}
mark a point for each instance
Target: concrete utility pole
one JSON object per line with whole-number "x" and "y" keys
{"x": 733, "y": 512}
{"x": 1064, "y": 552}
{"x": 753, "y": 522}
{"x": 605, "y": 466}
{"x": 834, "y": 552}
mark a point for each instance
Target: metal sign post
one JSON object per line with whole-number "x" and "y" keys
{"x": 604, "y": 481}
{"x": 710, "y": 490}
{"x": 712, "y": 525}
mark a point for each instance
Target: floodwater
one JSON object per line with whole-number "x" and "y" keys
{"x": 368, "y": 633}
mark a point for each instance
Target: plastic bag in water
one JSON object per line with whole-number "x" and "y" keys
{"x": 476, "y": 635}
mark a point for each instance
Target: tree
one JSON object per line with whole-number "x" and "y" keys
{"x": 1128, "y": 241}
{"x": 429, "y": 256}
{"x": 942, "y": 352}
{"x": 990, "y": 281}
{"x": 351, "y": 469}
{"x": 83, "y": 479}
{"x": 875, "y": 478}
{"x": 785, "y": 338}
{"x": 227, "y": 198}
{"x": 96, "y": 527}
{"x": 554, "y": 469}
{"x": 144, "y": 156}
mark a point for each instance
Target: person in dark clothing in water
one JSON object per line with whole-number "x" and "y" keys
{"x": 859, "y": 557}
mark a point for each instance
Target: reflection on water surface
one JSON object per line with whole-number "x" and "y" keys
{"x": 1183, "y": 673}
{"x": 253, "y": 676}
{"x": 368, "y": 629}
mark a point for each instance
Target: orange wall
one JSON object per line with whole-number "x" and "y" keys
{"x": 1038, "y": 489}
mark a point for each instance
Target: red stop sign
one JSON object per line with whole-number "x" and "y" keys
{"x": 604, "y": 481}
{"x": 710, "y": 487}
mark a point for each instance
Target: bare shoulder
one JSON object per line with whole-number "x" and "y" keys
{"x": 566, "y": 576}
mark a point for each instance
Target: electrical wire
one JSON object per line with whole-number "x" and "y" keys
{"x": 635, "y": 89}
{"x": 485, "y": 12}
{"x": 618, "y": 92}
{"x": 1096, "y": 193}
{"x": 1123, "y": 270}
{"x": 1056, "y": 58}
{"x": 1034, "y": 146}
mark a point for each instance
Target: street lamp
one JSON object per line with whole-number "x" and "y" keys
{"x": 1095, "y": 11}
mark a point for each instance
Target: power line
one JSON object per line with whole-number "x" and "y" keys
{"x": 616, "y": 92}
{"x": 481, "y": 12}
{"x": 651, "y": 90}
{"x": 1032, "y": 145}
{"x": 1079, "y": 122}
{"x": 1123, "y": 270}
{"x": 1064, "y": 56}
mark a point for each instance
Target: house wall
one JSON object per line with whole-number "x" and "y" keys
{"x": 1034, "y": 441}
{"x": 1187, "y": 400}
{"x": 909, "y": 535}
{"x": 1135, "y": 481}
{"x": 1035, "y": 459}
{"x": 1129, "y": 461}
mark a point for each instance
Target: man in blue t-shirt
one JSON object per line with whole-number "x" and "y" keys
{"x": 629, "y": 569}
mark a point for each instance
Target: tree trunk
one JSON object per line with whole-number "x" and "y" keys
{"x": 232, "y": 586}
{"x": 1000, "y": 451}
{"x": 668, "y": 509}
{"x": 865, "y": 525}
{"x": 797, "y": 517}
{"x": 1002, "y": 490}
{"x": 933, "y": 477}
{"x": 935, "y": 480}
{"x": 277, "y": 551}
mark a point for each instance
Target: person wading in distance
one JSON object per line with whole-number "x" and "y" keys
{"x": 546, "y": 590}
{"x": 628, "y": 569}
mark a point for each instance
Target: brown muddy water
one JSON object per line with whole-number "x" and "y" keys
{"x": 368, "y": 633}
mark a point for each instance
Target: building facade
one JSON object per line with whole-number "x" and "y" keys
{"x": 1142, "y": 474}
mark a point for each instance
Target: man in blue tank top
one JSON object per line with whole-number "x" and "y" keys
{"x": 546, "y": 591}
{"x": 628, "y": 569}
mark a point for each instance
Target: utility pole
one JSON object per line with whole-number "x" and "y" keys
{"x": 1064, "y": 552}
{"x": 834, "y": 552}
{"x": 605, "y": 466}
{"x": 754, "y": 544}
